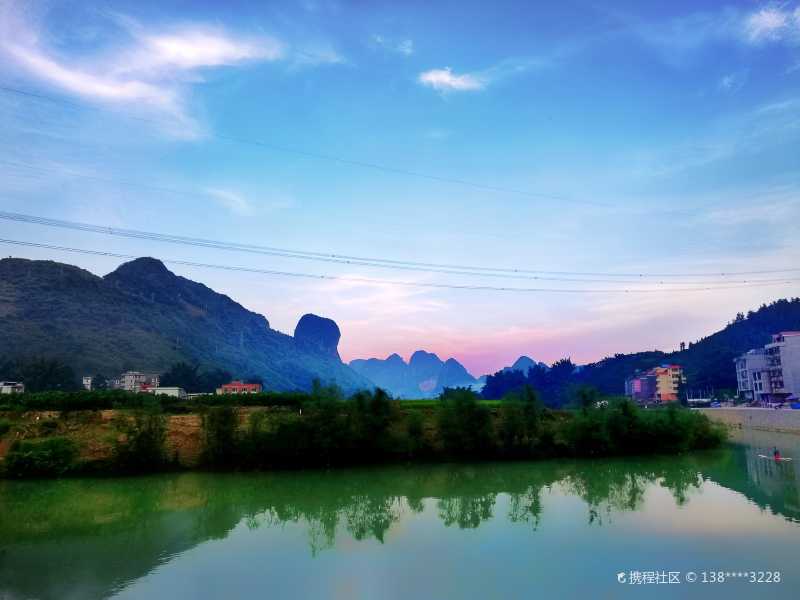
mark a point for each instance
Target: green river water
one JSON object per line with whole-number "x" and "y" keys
{"x": 555, "y": 529}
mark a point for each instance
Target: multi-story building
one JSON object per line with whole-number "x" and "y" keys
{"x": 11, "y": 387}
{"x": 87, "y": 382}
{"x": 239, "y": 387}
{"x": 783, "y": 365}
{"x": 135, "y": 381}
{"x": 752, "y": 380}
{"x": 771, "y": 373}
{"x": 659, "y": 384}
{"x": 668, "y": 382}
{"x": 641, "y": 387}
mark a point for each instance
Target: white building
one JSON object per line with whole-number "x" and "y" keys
{"x": 752, "y": 376}
{"x": 87, "y": 382}
{"x": 175, "y": 392}
{"x": 135, "y": 381}
{"x": 11, "y": 387}
{"x": 783, "y": 364}
{"x": 771, "y": 373}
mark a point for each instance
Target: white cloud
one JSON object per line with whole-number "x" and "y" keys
{"x": 239, "y": 204}
{"x": 732, "y": 82}
{"x": 404, "y": 47}
{"x": 773, "y": 23}
{"x": 90, "y": 84}
{"x": 235, "y": 203}
{"x": 148, "y": 71}
{"x": 444, "y": 80}
{"x": 313, "y": 54}
{"x": 194, "y": 48}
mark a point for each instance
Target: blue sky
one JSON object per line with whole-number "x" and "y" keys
{"x": 647, "y": 137}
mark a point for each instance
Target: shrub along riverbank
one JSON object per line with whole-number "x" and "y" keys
{"x": 323, "y": 428}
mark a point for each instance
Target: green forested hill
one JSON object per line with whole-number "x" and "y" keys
{"x": 144, "y": 317}
{"x": 708, "y": 362}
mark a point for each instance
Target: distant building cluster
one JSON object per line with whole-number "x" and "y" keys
{"x": 140, "y": 382}
{"x": 656, "y": 385}
{"x": 771, "y": 375}
{"x": 129, "y": 381}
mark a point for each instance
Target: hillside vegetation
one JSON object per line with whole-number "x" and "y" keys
{"x": 708, "y": 362}
{"x": 143, "y": 317}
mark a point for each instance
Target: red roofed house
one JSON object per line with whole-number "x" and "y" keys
{"x": 239, "y": 387}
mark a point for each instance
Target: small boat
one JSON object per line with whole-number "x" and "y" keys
{"x": 779, "y": 459}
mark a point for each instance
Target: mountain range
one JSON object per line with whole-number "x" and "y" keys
{"x": 424, "y": 375}
{"x": 144, "y": 317}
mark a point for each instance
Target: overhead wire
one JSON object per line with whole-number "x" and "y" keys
{"x": 324, "y": 156}
{"x": 420, "y": 284}
{"x": 438, "y": 268}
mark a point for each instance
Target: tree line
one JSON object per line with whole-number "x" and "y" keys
{"x": 325, "y": 428}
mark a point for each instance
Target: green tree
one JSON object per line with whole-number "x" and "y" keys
{"x": 464, "y": 424}
{"x": 143, "y": 449}
{"x": 99, "y": 382}
{"x": 46, "y": 374}
{"x": 49, "y": 457}
{"x": 192, "y": 379}
{"x": 221, "y": 429}
{"x": 371, "y": 415}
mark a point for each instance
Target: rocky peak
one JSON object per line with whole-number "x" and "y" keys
{"x": 318, "y": 334}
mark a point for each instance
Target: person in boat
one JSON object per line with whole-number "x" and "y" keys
{"x": 776, "y": 454}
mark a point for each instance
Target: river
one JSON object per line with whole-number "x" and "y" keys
{"x": 553, "y": 529}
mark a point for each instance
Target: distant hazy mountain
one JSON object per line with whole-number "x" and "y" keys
{"x": 144, "y": 317}
{"x": 424, "y": 375}
{"x": 523, "y": 364}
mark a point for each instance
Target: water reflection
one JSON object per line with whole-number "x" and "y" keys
{"x": 97, "y": 536}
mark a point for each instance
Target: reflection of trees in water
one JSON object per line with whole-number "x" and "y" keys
{"x": 466, "y": 511}
{"x": 368, "y": 517}
{"x": 152, "y": 519}
{"x": 682, "y": 483}
{"x": 620, "y": 486}
{"x": 608, "y": 489}
{"x": 526, "y": 507}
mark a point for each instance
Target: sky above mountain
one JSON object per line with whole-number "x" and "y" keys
{"x": 565, "y": 137}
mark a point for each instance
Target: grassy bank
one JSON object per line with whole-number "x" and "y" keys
{"x": 139, "y": 433}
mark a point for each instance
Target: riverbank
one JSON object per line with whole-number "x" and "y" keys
{"x": 764, "y": 419}
{"x": 368, "y": 428}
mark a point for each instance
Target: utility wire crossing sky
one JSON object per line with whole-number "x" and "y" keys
{"x": 634, "y": 146}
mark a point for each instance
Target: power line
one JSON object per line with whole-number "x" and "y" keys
{"x": 327, "y": 157}
{"x": 121, "y": 182}
{"x": 387, "y": 281}
{"x": 438, "y": 268}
